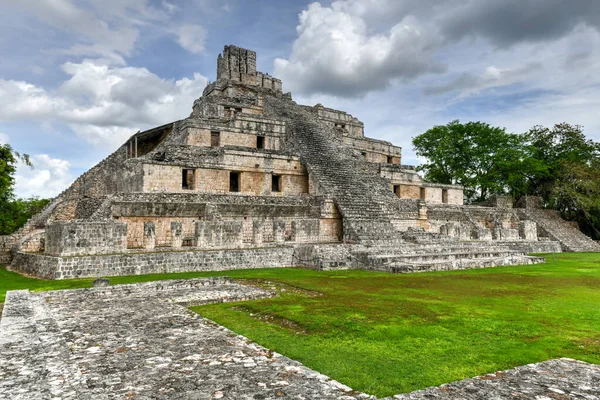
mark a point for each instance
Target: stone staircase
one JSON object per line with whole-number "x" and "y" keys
{"x": 364, "y": 199}
{"x": 440, "y": 257}
{"x": 550, "y": 223}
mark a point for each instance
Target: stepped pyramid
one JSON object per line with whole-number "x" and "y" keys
{"x": 252, "y": 179}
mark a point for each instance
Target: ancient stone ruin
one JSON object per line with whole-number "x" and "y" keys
{"x": 251, "y": 179}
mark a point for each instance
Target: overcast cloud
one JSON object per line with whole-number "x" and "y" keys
{"x": 79, "y": 77}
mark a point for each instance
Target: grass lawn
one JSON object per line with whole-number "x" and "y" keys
{"x": 386, "y": 334}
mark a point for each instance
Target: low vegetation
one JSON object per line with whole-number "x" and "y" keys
{"x": 385, "y": 334}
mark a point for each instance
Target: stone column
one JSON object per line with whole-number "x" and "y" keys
{"x": 528, "y": 230}
{"x": 176, "y": 234}
{"x": 199, "y": 234}
{"x": 149, "y": 236}
{"x": 279, "y": 231}
{"x": 257, "y": 231}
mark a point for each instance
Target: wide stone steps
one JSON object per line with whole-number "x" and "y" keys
{"x": 411, "y": 258}
{"x": 363, "y": 198}
{"x": 463, "y": 263}
{"x": 571, "y": 238}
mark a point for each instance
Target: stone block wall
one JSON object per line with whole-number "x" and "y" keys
{"x": 263, "y": 219}
{"x": 340, "y": 119}
{"x": 162, "y": 178}
{"x": 484, "y": 223}
{"x": 219, "y": 234}
{"x": 85, "y": 237}
{"x": 34, "y": 242}
{"x": 163, "y": 230}
{"x": 528, "y": 230}
{"x": 408, "y": 191}
{"x": 443, "y": 194}
{"x": 6, "y": 244}
{"x": 376, "y": 151}
{"x": 50, "y": 267}
{"x": 254, "y": 179}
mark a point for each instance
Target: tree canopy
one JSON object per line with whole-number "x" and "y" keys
{"x": 557, "y": 164}
{"x": 14, "y": 212}
{"x": 482, "y": 158}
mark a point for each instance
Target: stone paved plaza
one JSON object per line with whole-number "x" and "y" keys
{"x": 141, "y": 342}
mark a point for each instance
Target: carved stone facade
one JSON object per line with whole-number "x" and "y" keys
{"x": 251, "y": 170}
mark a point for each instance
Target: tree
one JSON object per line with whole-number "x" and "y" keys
{"x": 8, "y": 167}
{"x": 17, "y": 212}
{"x": 14, "y": 212}
{"x": 482, "y": 158}
{"x": 570, "y": 179}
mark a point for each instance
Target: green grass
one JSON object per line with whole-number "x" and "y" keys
{"x": 386, "y": 334}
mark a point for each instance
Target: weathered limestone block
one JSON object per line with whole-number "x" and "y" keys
{"x": 305, "y": 231}
{"x": 528, "y": 230}
{"x": 176, "y": 234}
{"x": 481, "y": 233}
{"x": 218, "y": 234}
{"x": 456, "y": 230}
{"x": 149, "y": 235}
{"x": 232, "y": 234}
{"x": 279, "y": 231}
{"x": 85, "y": 237}
{"x": 257, "y": 231}
{"x": 505, "y": 234}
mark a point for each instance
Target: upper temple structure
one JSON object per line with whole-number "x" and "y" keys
{"x": 251, "y": 179}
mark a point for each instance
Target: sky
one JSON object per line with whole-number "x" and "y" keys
{"x": 77, "y": 78}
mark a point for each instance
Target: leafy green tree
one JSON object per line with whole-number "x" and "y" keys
{"x": 8, "y": 167}
{"x": 482, "y": 158}
{"x": 18, "y": 211}
{"x": 570, "y": 180}
{"x": 14, "y": 212}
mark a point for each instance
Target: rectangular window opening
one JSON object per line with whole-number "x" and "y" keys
{"x": 390, "y": 159}
{"x": 397, "y": 190}
{"x": 234, "y": 181}
{"x": 422, "y": 194}
{"x": 260, "y": 142}
{"x": 275, "y": 183}
{"x": 187, "y": 179}
{"x": 215, "y": 139}
{"x": 444, "y": 195}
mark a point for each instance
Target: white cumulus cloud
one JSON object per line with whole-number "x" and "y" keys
{"x": 192, "y": 38}
{"x": 102, "y": 103}
{"x": 336, "y": 52}
{"x": 49, "y": 177}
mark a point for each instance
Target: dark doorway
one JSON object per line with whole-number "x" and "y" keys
{"x": 390, "y": 159}
{"x": 275, "y": 183}
{"x": 215, "y": 139}
{"x": 234, "y": 181}
{"x": 260, "y": 142}
{"x": 397, "y": 190}
{"x": 187, "y": 179}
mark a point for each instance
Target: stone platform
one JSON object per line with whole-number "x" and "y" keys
{"x": 141, "y": 342}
